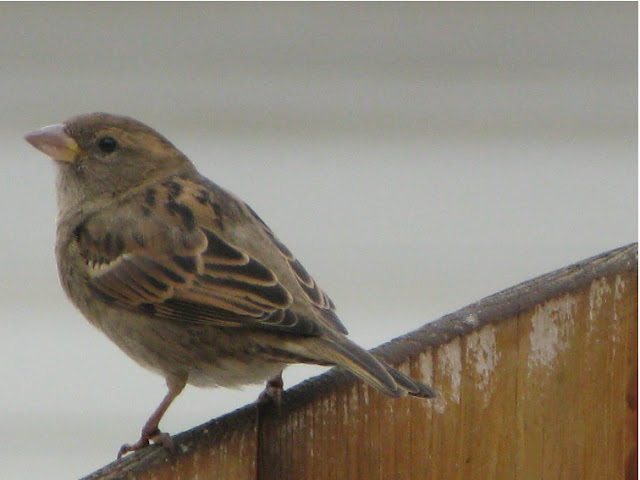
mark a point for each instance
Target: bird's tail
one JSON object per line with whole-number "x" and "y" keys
{"x": 411, "y": 386}
{"x": 339, "y": 350}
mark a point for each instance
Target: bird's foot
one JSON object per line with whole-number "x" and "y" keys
{"x": 272, "y": 392}
{"x": 157, "y": 437}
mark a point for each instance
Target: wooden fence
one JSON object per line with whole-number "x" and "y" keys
{"x": 536, "y": 382}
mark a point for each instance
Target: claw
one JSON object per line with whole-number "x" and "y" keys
{"x": 150, "y": 431}
{"x": 127, "y": 447}
{"x": 272, "y": 392}
{"x": 157, "y": 437}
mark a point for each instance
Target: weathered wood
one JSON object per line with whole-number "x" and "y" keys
{"x": 537, "y": 381}
{"x": 222, "y": 448}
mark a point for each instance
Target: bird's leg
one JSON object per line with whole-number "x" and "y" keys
{"x": 150, "y": 430}
{"x": 272, "y": 390}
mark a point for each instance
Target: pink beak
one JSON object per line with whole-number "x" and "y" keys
{"x": 54, "y": 142}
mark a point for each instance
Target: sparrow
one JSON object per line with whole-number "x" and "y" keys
{"x": 182, "y": 275}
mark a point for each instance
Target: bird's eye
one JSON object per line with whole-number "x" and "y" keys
{"x": 107, "y": 144}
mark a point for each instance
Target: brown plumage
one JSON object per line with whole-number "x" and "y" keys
{"x": 182, "y": 275}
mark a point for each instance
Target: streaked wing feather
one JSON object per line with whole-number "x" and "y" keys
{"x": 311, "y": 289}
{"x": 282, "y": 320}
{"x": 165, "y": 264}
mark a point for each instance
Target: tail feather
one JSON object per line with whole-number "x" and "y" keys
{"x": 413, "y": 387}
{"x": 361, "y": 363}
{"x": 339, "y": 350}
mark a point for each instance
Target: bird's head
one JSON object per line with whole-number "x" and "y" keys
{"x": 100, "y": 155}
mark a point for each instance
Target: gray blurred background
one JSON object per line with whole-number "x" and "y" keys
{"x": 416, "y": 157}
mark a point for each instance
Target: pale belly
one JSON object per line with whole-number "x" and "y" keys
{"x": 209, "y": 356}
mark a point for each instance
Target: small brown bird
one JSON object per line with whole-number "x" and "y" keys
{"x": 182, "y": 275}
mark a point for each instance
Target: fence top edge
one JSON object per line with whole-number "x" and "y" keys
{"x": 511, "y": 301}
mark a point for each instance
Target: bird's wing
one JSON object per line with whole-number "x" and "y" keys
{"x": 153, "y": 254}
{"x": 313, "y": 293}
